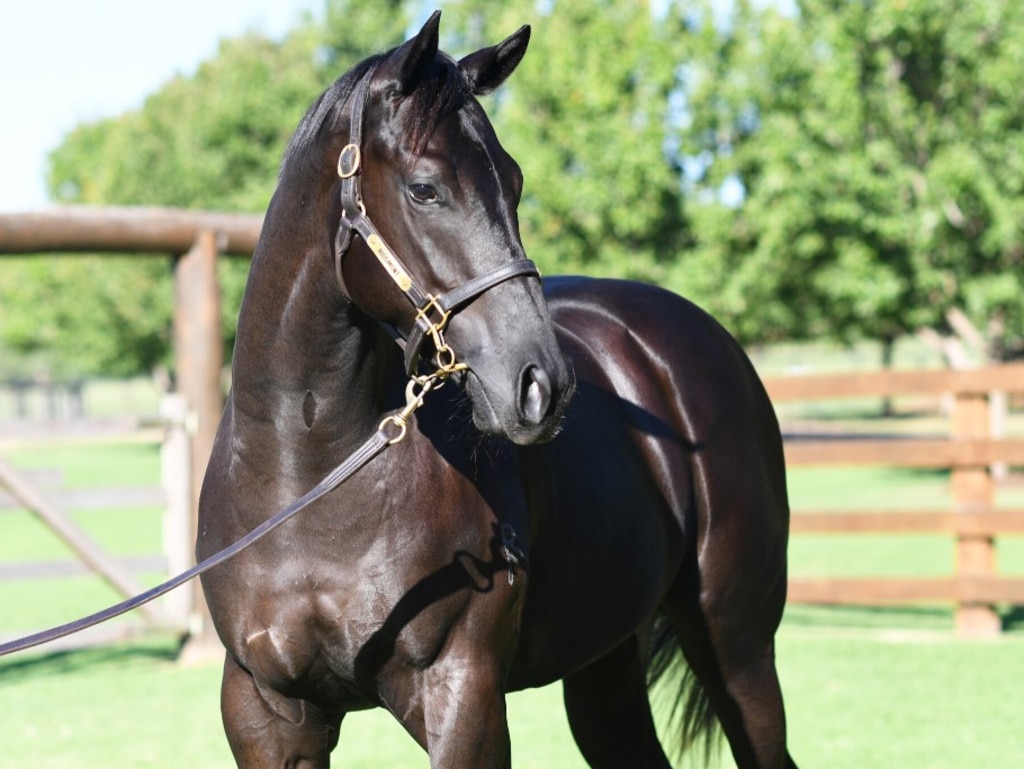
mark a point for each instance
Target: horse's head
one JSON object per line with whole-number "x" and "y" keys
{"x": 429, "y": 225}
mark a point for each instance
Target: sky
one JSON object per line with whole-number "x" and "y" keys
{"x": 63, "y": 62}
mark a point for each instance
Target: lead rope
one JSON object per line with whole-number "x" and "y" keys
{"x": 392, "y": 430}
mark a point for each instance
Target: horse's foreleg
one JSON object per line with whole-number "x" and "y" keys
{"x": 465, "y": 717}
{"x": 266, "y": 729}
{"x": 456, "y": 710}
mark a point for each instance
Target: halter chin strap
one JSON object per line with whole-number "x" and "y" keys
{"x": 432, "y": 311}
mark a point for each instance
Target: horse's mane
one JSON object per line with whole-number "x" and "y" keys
{"x": 442, "y": 90}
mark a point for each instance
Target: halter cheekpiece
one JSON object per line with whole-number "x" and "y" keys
{"x": 432, "y": 310}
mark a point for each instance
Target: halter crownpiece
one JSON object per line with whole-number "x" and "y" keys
{"x": 432, "y": 311}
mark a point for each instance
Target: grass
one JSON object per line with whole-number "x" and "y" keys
{"x": 901, "y": 701}
{"x": 855, "y": 697}
{"x": 876, "y": 687}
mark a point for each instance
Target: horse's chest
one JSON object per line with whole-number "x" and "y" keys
{"x": 346, "y": 623}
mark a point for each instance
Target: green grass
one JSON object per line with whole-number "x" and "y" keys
{"x": 901, "y": 701}
{"x": 864, "y": 687}
{"x": 93, "y": 463}
{"x": 84, "y": 465}
{"x": 855, "y": 697}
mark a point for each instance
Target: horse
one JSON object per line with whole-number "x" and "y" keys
{"x": 595, "y": 493}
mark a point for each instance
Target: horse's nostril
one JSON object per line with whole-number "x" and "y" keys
{"x": 535, "y": 396}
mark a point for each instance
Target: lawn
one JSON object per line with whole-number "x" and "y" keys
{"x": 880, "y": 688}
{"x": 856, "y": 697}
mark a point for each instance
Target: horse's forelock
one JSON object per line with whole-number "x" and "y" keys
{"x": 442, "y": 91}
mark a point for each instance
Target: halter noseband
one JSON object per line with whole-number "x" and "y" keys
{"x": 432, "y": 311}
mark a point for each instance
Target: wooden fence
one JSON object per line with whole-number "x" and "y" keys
{"x": 969, "y": 452}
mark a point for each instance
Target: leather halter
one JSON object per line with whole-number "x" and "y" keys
{"x": 432, "y": 311}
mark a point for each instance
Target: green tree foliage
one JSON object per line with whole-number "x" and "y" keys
{"x": 588, "y": 117}
{"x": 84, "y": 315}
{"x": 353, "y": 29}
{"x": 878, "y": 148}
{"x": 212, "y": 140}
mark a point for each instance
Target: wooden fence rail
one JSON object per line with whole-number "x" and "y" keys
{"x": 155, "y": 231}
{"x": 969, "y": 452}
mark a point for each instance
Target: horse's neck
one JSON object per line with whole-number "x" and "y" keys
{"x": 304, "y": 371}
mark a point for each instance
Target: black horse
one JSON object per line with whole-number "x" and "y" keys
{"x": 517, "y": 536}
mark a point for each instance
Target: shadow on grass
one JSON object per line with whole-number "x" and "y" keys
{"x": 1013, "y": 620}
{"x": 21, "y": 666}
{"x": 914, "y": 618}
{"x": 929, "y": 618}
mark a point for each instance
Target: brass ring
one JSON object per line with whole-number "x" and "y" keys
{"x": 349, "y": 160}
{"x": 398, "y": 422}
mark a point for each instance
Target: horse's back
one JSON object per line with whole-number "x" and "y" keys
{"x": 676, "y": 494}
{"x": 674, "y": 367}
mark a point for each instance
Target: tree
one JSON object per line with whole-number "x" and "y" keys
{"x": 588, "y": 116}
{"x": 353, "y": 29}
{"x": 83, "y": 315}
{"x": 212, "y": 140}
{"x": 852, "y": 170}
{"x": 876, "y": 146}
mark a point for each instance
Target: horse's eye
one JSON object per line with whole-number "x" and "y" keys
{"x": 423, "y": 193}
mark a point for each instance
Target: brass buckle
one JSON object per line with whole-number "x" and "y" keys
{"x": 424, "y": 312}
{"x": 416, "y": 390}
{"x": 444, "y": 355}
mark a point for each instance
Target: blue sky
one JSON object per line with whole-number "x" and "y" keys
{"x": 67, "y": 61}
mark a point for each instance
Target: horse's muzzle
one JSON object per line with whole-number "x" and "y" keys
{"x": 535, "y": 415}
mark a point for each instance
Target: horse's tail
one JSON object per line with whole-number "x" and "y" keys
{"x": 689, "y": 710}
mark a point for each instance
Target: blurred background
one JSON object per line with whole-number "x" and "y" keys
{"x": 839, "y": 182}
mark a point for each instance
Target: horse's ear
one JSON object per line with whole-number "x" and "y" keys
{"x": 487, "y": 68}
{"x": 417, "y": 53}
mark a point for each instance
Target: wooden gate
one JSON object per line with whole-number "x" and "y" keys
{"x": 41, "y": 495}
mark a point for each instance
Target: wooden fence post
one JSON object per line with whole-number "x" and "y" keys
{"x": 199, "y": 357}
{"x": 973, "y": 491}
